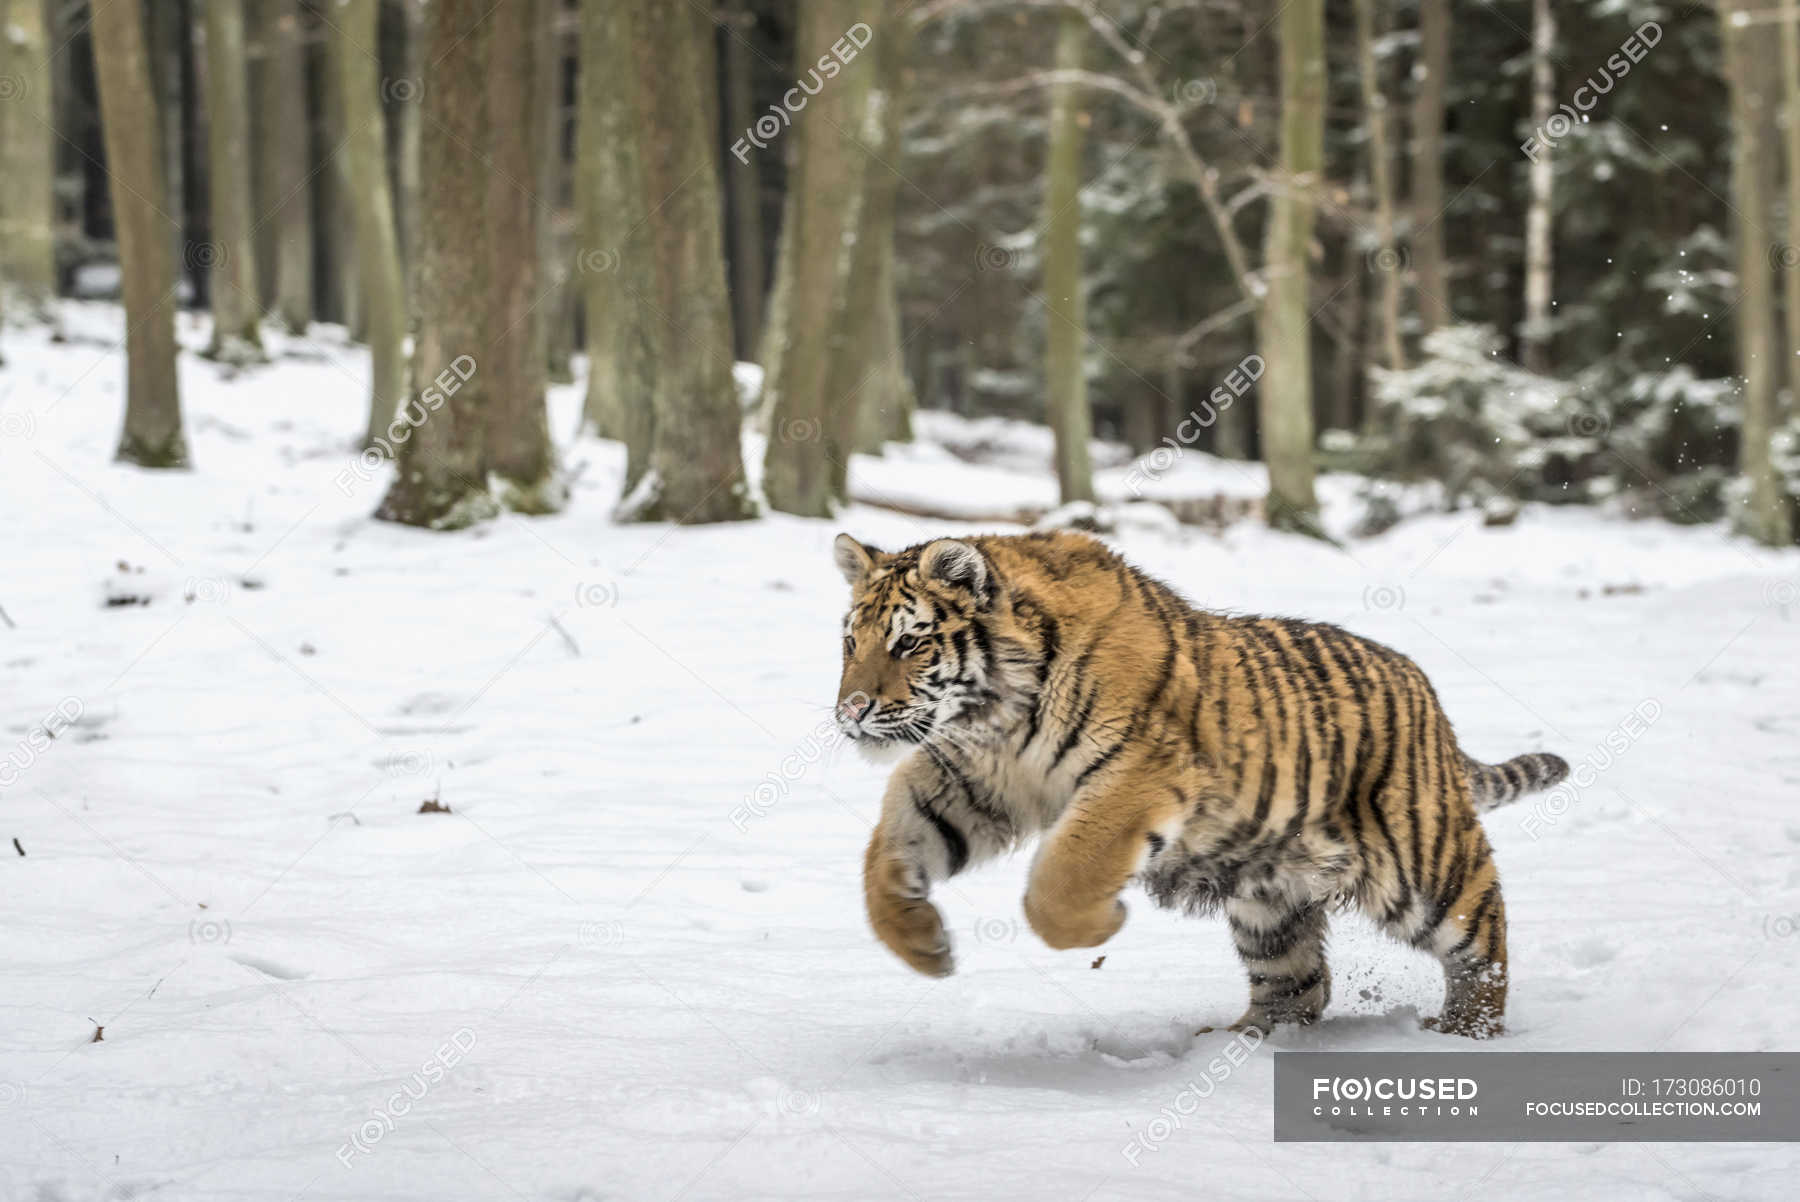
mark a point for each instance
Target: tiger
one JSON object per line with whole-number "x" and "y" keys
{"x": 1270, "y": 768}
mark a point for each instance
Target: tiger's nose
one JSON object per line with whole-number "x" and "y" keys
{"x": 855, "y": 708}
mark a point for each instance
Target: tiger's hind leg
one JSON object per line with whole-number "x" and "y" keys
{"x": 1469, "y": 940}
{"x": 1281, "y": 941}
{"x": 1475, "y": 966}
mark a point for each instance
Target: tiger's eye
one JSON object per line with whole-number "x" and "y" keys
{"x": 904, "y": 644}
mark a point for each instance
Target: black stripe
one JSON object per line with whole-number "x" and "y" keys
{"x": 1310, "y": 724}
{"x": 975, "y": 795}
{"x": 1255, "y": 687}
{"x": 1340, "y": 651}
{"x": 1302, "y": 783}
{"x": 1378, "y": 785}
{"x": 1265, "y": 795}
{"x": 1415, "y": 758}
{"x": 1262, "y": 637}
{"x": 1105, "y": 759}
{"x": 1052, "y": 645}
{"x": 1448, "y": 791}
{"x": 1475, "y": 919}
{"x": 1165, "y": 673}
{"x": 1448, "y": 892}
{"x": 955, "y": 846}
{"x": 979, "y": 633}
{"x": 1075, "y": 731}
{"x": 1278, "y": 940}
{"x": 1295, "y": 987}
{"x": 1443, "y": 831}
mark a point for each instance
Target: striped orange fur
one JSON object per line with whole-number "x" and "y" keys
{"x": 1266, "y": 767}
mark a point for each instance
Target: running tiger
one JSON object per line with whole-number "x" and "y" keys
{"x": 1268, "y": 767}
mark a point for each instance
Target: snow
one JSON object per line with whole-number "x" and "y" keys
{"x": 630, "y": 962}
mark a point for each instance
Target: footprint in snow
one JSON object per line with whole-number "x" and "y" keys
{"x": 1591, "y": 952}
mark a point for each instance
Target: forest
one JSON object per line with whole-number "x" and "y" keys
{"x": 1517, "y": 258}
{"x": 441, "y": 439}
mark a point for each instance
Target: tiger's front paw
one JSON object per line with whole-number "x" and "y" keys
{"x": 913, "y": 929}
{"x": 1064, "y": 928}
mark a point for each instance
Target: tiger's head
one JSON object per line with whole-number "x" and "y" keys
{"x": 920, "y": 654}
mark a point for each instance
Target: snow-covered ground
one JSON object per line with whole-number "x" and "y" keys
{"x": 631, "y": 963}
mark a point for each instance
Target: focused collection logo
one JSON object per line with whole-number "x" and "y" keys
{"x": 1395, "y": 1097}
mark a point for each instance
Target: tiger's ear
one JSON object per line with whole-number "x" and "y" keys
{"x": 853, "y": 559}
{"x": 958, "y": 565}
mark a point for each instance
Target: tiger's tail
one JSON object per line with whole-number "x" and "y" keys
{"x": 1494, "y": 785}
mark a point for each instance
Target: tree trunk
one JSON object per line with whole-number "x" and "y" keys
{"x": 72, "y": 118}
{"x": 774, "y": 329}
{"x": 894, "y": 417}
{"x": 152, "y": 436}
{"x": 615, "y": 264}
{"x": 885, "y": 412}
{"x": 1231, "y": 433}
{"x": 407, "y": 136}
{"x": 440, "y": 481}
{"x": 1790, "y": 76}
{"x": 812, "y": 431}
{"x": 264, "y": 150}
{"x": 743, "y": 184}
{"x": 1766, "y": 516}
{"x": 1065, "y": 305}
{"x": 696, "y": 467}
{"x": 1352, "y": 349}
{"x": 343, "y": 274}
{"x": 1430, "y": 275}
{"x": 1535, "y": 332}
{"x": 27, "y": 165}
{"x": 290, "y": 202}
{"x": 519, "y": 451}
{"x": 170, "y": 46}
{"x": 555, "y": 333}
{"x": 1388, "y": 261}
{"x": 1285, "y": 394}
{"x": 231, "y": 251}
{"x": 353, "y": 27}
